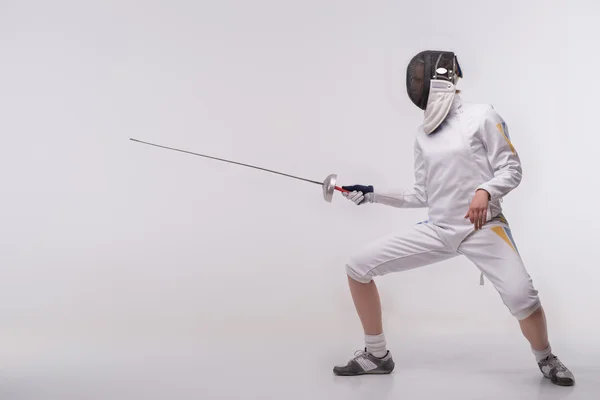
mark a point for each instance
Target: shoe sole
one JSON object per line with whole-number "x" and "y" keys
{"x": 559, "y": 383}
{"x": 363, "y": 373}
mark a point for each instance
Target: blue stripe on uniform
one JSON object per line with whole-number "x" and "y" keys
{"x": 507, "y": 230}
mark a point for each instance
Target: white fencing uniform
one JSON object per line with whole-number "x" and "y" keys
{"x": 471, "y": 150}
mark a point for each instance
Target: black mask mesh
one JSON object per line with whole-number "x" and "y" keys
{"x": 420, "y": 71}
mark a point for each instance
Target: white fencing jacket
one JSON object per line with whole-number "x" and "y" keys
{"x": 470, "y": 150}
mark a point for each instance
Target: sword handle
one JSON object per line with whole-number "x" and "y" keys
{"x": 339, "y": 189}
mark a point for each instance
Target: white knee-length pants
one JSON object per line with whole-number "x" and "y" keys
{"x": 492, "y": 249}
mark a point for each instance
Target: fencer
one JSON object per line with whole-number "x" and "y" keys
{"x": 464, "y": 165}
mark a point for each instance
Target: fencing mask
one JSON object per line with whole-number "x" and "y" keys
{"x": 431, "y": 78}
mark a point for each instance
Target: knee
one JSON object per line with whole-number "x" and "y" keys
{"x": 363, "y": 265}
{"x": 358, "y": 274}
{"x": 522, "y": 300}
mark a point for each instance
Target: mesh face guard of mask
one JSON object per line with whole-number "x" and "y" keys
{"x": 427, "y": 66}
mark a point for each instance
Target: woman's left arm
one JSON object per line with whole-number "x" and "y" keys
{"x": 501, "y": 155}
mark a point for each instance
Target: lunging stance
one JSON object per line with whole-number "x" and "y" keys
{"x": 464, "y": 164}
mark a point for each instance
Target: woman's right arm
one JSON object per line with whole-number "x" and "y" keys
{"x": 414, "y": 198}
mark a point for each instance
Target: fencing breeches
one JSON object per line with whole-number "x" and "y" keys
{"x": 492, "y": 249}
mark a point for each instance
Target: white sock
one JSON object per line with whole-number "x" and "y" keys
{"x": 376, "y": 345}
{"x": 540, "y": 355}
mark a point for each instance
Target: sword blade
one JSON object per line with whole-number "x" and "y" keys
{"x": 228, "y": 161}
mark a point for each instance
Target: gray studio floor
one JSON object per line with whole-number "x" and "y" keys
{"x": 455, "y": 367}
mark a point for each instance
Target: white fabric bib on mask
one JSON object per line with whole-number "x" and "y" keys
{"x": 439, "y": 102}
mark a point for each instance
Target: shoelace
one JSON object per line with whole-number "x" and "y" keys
{"x": 556, "y": 363}
{"x": 359, "y": 354}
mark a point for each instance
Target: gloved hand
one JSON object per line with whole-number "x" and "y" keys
{"x": 359, "y": 194}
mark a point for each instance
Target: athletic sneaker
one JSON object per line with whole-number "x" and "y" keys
{"x": 365, "y": 363}
{"x": 556, "y": 371}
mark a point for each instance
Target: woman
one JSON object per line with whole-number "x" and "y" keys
{"x": 465, "y": 164}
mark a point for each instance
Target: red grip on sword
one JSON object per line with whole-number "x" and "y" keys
{"x": 339, "y": 189}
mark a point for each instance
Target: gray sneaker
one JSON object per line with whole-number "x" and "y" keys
{"x": 556, "y": 371}
{"x": 365, "y": 363}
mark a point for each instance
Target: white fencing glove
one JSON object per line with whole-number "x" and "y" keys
{"x": 359, "y": 194}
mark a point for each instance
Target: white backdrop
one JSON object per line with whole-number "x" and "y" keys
{"x": 103, "y": 239}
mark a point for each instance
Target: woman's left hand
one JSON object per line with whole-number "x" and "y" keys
{"x": 477, "y": 213}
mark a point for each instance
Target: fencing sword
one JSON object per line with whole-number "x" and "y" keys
{"x": 329, "y": 186}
